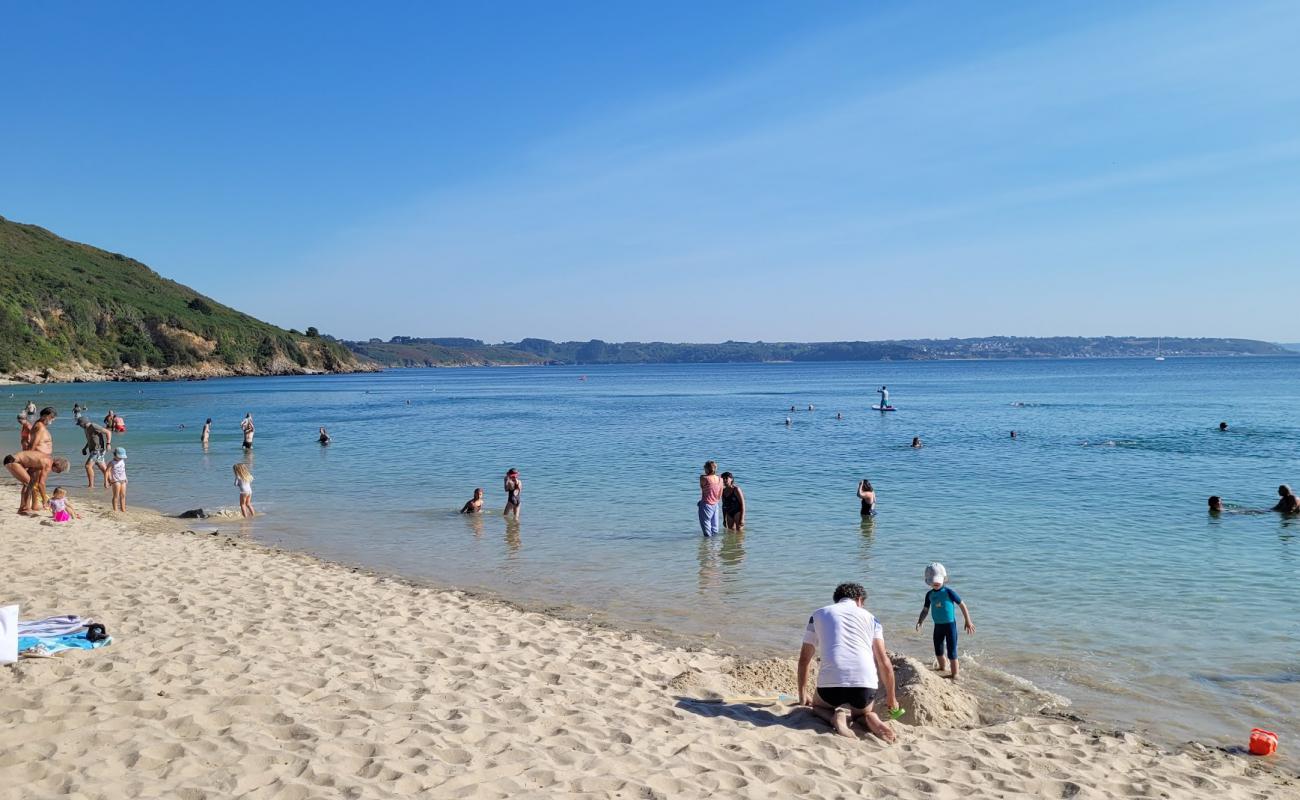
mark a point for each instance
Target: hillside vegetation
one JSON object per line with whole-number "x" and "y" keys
{"x": 69, "y": 310}
{"x": 407, "y": 351}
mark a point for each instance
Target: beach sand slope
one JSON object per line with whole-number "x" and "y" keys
{"x": 241, "y": 671}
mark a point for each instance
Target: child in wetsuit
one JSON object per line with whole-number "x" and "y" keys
{"x": 939, "y": 601}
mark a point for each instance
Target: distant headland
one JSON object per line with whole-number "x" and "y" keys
{"x": 72, "y": 312}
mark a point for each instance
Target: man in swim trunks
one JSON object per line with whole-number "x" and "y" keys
{"x": 883, "y": 391}
{"x": 852, "y": 647}
{"x": 96, "y": 450}
{"x": 247, "y": 427}
{"x": 42, "y": 442}
{"x": 31, "y": 468}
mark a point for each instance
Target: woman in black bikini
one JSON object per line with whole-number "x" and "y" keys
{"x": 733, "y": 503}
{"x": 868, "y": 497}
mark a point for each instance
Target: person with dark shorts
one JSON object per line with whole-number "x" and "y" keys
{"x": 852, "y": 646}
{"x": 940, "y": 602}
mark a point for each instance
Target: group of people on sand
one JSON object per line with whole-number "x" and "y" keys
{"x": 1287, "y": 504}
{"x": 35, "y": 461}
{"x": 854, "y": 662}
{"x": 513, "y": 487}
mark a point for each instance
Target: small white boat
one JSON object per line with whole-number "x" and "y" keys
{"x": 1158, "y": 356}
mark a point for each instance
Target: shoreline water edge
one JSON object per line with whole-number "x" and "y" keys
{"x": 239, "y": 668}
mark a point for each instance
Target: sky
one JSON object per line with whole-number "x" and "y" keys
{"x": 676, "y": 171}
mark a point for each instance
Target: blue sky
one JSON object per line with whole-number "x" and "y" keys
{"x": 676, "y": 171}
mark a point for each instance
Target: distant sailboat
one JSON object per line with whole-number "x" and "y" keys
{"x": 1158, "y": 356}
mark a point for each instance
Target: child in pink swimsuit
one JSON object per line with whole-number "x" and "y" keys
{"x": 63, "y": 510}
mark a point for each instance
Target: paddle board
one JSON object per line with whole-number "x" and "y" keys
{"x": 884, "y": 408}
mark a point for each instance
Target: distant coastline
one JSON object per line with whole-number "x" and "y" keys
{"x": 406, "y": 351}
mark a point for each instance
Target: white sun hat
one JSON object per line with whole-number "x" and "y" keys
{"x": 935, "y": 573}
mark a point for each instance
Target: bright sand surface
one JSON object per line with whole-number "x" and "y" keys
{"x": 239, "y": 670}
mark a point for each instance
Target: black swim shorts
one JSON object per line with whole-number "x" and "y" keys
{"x": 857, "y": 697}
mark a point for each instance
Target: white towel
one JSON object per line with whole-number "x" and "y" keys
{"x": 8, "y": 634}
{"x": 54, "y": 626}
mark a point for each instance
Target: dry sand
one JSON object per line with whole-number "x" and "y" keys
{"x": 242, "y": 671}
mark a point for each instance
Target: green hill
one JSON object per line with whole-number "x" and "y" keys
{"x": 70, "y": 311}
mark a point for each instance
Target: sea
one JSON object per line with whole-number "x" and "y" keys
{"x": 1082, "y": 546}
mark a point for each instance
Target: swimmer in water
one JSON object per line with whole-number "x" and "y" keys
{"x": 792, "y": 408}
{"x": 473, "y": 505}
{"x": 324, "y": 437}
{"x": 1289, "y": 503}
{"x": 838, "y": 415}
{"x": 1216, "y": 505}
{"x": 788, "y": 421}
{"x": 916, "y": 441}
{"x": 1013, "y": 434}
{"x": 810, "y": 406}
{"x": 1223, "y": 426}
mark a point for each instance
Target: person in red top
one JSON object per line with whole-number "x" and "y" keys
{"x": 710, "y": 495}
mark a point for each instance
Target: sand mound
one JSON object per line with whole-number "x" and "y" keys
{"x": 929, "y": 699}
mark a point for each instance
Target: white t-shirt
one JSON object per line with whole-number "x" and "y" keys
{"x": 843, "y": 634}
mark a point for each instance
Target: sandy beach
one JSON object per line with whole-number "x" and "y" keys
{"x": 239, "y": 670}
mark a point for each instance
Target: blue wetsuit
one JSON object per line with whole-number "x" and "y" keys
{"x": 942, "y": 604}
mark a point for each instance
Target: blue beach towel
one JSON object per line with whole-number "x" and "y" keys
{"x": 42, "y": 646}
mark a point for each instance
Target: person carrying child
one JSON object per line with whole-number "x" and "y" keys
{"x": 939, "y": 601}
{"x": 61, "y": 508}
{"x": 244, "y": 480}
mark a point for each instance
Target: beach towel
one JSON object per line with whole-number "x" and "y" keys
{"x": 53, "y": 626}
{"x": 46, "y": 646}
{"x": 8, "y": 634}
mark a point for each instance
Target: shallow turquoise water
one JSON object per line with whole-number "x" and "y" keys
{"x": 1083, "y": 546}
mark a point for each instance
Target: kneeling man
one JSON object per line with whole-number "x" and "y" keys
{"x": 852, "y": 647}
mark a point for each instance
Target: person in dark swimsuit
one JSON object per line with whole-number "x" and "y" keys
{"x": 868, "y": 497}
{"x": 514, "y": 488}
{"x": 733, "y": 503}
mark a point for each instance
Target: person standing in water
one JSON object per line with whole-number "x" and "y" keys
{"x": 247, "y": 427}
{"x": 733, "y": 503}
{"x": 710, "y": 494}
{"x": 883, "y": 391}
{"x": 207, "y": 432}
{"x": 514, "y": 489}
{"x": 940, "y": 602}
{"x": 324, "y": 436}
{"x": 867, "y": 495}
{"x": 244, "y": 482}
{"x": 24, "y": 432}
{"x": 95, "y": 450}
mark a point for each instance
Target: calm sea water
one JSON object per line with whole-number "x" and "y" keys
{"x": 1083, "y": 546}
